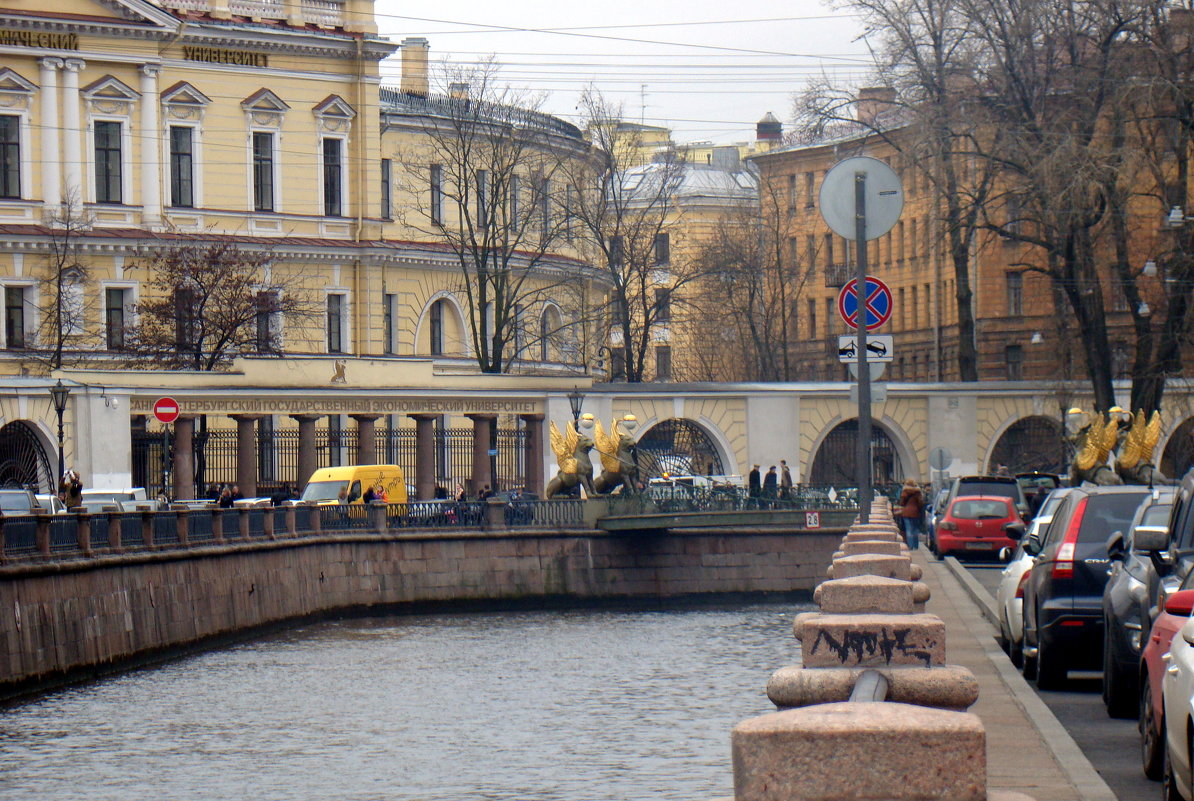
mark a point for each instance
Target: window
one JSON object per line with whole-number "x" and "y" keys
{"x": 335, "y": 440}
{"x": 437, "y": 194}
{"x": 914, "y": 312}
{"x": 10, "y": 156}
{"x": 386, "y": 183}
{"x": 1015, "y": 293}
{"x": 615, "y": 251}
{"x": 266, "y": 321}
{"x": 912, "y": 243}
{"x": 332, "y": 174}
{"x": 791, "y": 193}
{"x": 1013, "y": 356}
{"x": 186, "y": 323}
{"x": 663, "y": 305}
{"x": 812, "y": 319}
{"x": 389, "y": 310}
{"x": 266, "y": 449}
{"x": 263, "y": 171}
{"x": 810, "y": 247}
{"x": 335, "y": 323}
{"x": 663, "y": 250}
{"x": 436, "y": 320}
{"x": 14, "y": 316}
{"x": 108, "y": 175}
{"x": 513, "y": 198}
{"x": 545, "y": 206}
{"x": 182, "y": 166}
{"x": 828, "y": 250}
{"x": 115, "y": 301}
{"x": 809, "y": 200}
{"x": 544, "y": 336}
{"x": 663, "y": 362}
{"x": 482, "y": 198}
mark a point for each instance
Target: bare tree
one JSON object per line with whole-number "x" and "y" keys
{"x": 492, "y": 162}
{"x": 64, "y": 301}
{"x": 205, "y": 302}
{"x": 626, "y": 211}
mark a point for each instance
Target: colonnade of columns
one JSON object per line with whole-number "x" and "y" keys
{"x": 308, "y": 462}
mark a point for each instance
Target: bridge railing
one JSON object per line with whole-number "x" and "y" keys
{"x": 679, "y": 496}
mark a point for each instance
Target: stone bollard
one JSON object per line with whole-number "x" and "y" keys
{"x": 858, "y": 750}
{"x": 83, "y": 532}
{"x": 872, "y": 640}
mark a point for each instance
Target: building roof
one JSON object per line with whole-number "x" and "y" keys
{"x": 696, "y": 181}
{"x": 393, "y": 101}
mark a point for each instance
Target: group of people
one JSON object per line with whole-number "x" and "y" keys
{"x": 376, "y": 493}
{"x": 763, "y": 490}
{"x": 224, "y": 495}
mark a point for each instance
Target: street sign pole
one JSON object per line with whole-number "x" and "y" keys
{"x": 862, "y": 453}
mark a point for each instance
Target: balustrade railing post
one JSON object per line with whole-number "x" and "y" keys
{"x": 114, "y": 532}
{"x": 83, "y": 532}
{"x": 217, "y": 525}
{"x": 182, "y": 523}
{"x": 495, "y": 513}
{"x": 2, "y": 544}
{"x": 291, "y": 525}
{"x": 245, "y": 533}
{"x": 377, "y": 516}
{"x": 267, "y": 523}
{"x": 315, "y": 519}
{"x": 147, "y": 528}
{"x": 43, "y": 535}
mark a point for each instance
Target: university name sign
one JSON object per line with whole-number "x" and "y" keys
{"x": 144, "y": 405}
{"x": 53, "y": 41}
{"x": 215, "y": 55}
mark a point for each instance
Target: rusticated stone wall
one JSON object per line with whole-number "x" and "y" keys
{"x": 60, "y": 619}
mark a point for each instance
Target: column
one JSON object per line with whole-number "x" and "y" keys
{"x": 72, "y": 131}
{"x": 533, "y": 453}
{"x": 51, "y": 180}
{"x": 424, "y": 455}
{"x": 246, "y": 453}
{"x": 184, "y": 458}
{"x": 151, "y": 151}
{"x": 366, "y": 437}
{"x": 482, "y": 475}
{"x": 308, "y": 460}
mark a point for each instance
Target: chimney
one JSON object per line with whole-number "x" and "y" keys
{"x": 725, "y": 158}
{"x": 873, "y": 101}
{"x": 414, "y": 66}
{"x": 769, "y": 130}
{"x": 458, "y": 91}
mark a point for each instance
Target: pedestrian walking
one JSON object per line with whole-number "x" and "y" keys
{"x": 785, "y": 481}
{"x": 912, "y": 507}
{"x": 770, "y": 487}
{"x": 753, "y": 488}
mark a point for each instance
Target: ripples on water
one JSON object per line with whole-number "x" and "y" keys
{"x": 558, "y": 706}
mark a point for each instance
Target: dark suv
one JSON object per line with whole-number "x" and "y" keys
{"x": 1063, "y": 596}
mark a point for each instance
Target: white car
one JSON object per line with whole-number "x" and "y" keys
{"x": 1177, "y": 698}
{"x": 1009, "y": 598}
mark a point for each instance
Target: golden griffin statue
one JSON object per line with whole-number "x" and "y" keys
{"x": 572, "y": 454}
{"x": 619, "y": 462}
{"x": 1092, "y": 444}
{"x": 1134, "y": 462}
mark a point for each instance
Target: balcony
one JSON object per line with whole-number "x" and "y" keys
{"x": 324, "y": 13}
{"x": 837, "y": 275}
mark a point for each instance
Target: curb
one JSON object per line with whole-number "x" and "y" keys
{"x": 1077, "y": 767}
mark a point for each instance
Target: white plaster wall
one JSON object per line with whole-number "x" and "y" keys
{"x": 102, "y": 438}
{"x": 954, "y": 426}
{"x": 773, "y": 431}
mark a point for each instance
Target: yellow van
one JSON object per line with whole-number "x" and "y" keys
{"x": 326, "y": 484}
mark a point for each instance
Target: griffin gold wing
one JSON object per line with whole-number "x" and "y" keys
{"x": 1107, "y": 440}
{"x": 607, "y": 446}
{"x": 559, "y": 444}
{"x": 1133, "y": 449}
{"x": 1152, "y": 435}
{"x": 1087, "y": 456}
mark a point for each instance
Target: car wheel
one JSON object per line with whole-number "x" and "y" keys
{"x": 1050, "y": 671}
{"x": 1004, "y": 638}
{"x": 1169, "y": 790}
{"x": 1152, "y": 735}
{"x": 1015, "y": 649}
{"x": 1117, "y": 695}
{"x": 1028, "y": 663}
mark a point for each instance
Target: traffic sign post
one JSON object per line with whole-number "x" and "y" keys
{"x": 166, "y": 410}
{"x": 852, "y": 188}
{"x": 878, "y": 303}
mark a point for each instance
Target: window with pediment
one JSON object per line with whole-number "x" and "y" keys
{"x": 183, "y": 109}
{"x": 333, "y": 122}
{"x": 16, "y": 95}
{"x": 110, "y": 104}
{"x": 264, "y": 112}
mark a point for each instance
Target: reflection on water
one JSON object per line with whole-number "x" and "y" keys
{"x": 575, "y": 706}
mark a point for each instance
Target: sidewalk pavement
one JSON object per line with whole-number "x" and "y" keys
{"x": 1028, "y": 750}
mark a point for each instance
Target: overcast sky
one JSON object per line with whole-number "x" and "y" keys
{"x": 634, "y": 51}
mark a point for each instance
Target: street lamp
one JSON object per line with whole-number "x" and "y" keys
{"x": 59, "y": 394}
{"x": 576, "y": 400}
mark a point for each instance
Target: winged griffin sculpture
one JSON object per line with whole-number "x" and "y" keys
{"x": 572, "y": 454}
{"x": 1092, "y": 444}
{"x": 619, "y": 465}
{"x": 1134, "y": 461}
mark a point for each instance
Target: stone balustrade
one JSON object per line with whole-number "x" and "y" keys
{"x": 919, "y": 743}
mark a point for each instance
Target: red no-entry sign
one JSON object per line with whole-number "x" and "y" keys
{"x": 166, "y": 410}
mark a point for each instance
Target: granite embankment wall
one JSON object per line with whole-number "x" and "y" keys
{"x": 72, "y": 618}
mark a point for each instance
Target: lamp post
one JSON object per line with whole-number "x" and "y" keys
{"x": 576, "y": 400}
{"x": 59, "y": 393}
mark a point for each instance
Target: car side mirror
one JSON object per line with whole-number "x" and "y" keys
{"x": 1032, "y": 545}
{"x": 1150, "y": 538}
{"x": 1115, "y": 546}
{"x": 1014, "y": 530}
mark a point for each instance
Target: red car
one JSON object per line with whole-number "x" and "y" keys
{"x": 976, "y": 524}
{"x": 1178, "y": 607}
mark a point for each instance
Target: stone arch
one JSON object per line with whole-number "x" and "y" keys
{"x": 1177, "y": 457}
{"x": 681, "y": 446}
{"x": 831, "y": 460}
{"x": 1027, "y": 444}
{"x": 455, "y": 340}
{"x": 24, "y": 457}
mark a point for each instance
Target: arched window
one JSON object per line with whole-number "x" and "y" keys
{"x": 436, "y": 318}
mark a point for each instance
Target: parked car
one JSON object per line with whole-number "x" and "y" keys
{"x": 20, "y": 502}
{"x": 51, "y": 503}
{"x": 102, "y": 505}
{"x": 1007, "y": 486}
{"x": 1130, "y": 604}
{"x": 1175, "y": 610}
{"x": 1009, "y": 597}
{"x": 130, "y": 499}
{"x": 1063, "y": 596}
{"x": 976, "y": 524}
{"x": 933, "y": 515}
{"x": 1177, "y": 690}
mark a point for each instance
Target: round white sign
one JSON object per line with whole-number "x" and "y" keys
{"x": 884, "y": 197}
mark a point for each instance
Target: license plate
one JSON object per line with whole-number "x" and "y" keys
{"x": 980, "y": 546}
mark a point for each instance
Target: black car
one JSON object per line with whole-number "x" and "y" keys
{"x": 1063, "y": 596}
{"x": 1130, "y": 604}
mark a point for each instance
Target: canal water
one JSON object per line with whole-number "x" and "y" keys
{"x": 549, "y": 706}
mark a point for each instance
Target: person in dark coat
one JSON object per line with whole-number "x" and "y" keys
{"x": 911, "y": 509}
{"x": 770, "y": 487}
{"x": 785, "y": 480}
{"x": 753, "y": 488}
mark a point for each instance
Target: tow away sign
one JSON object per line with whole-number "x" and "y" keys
{"x": 879, "y": 348}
